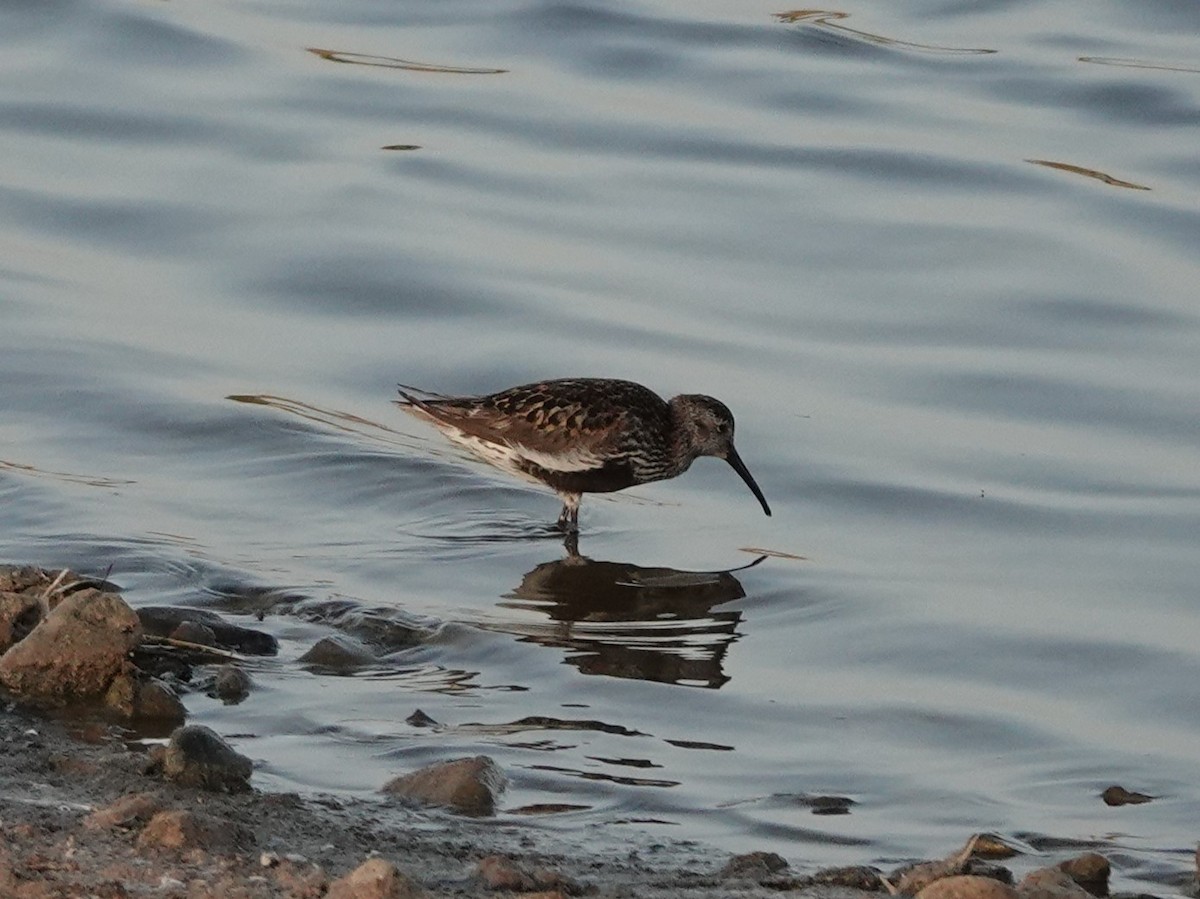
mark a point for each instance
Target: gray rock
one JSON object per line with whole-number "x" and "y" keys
{"x": 161, "y": 621}
{"x": 197, "y": 757}
{"x": 338, "y": 652}
{"x": 231, "y": 684}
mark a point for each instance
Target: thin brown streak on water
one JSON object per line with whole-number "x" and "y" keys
{"x": 1090, "y": 173}
{"x": 772, "y": 553}
{"x": 828, "y": 20}
{"x": 623, "y": 780}
{"x": 390, "y": 62}
{"x": 64, "y": 476}
{"x": 1138, "y": 64}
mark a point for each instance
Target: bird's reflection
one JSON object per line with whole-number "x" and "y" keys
{"x": 624, "y": 620}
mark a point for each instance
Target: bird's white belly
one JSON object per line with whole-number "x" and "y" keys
{"x": 514, "y": 458}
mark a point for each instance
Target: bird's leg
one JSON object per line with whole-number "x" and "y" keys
{"x": 568, "y": 520}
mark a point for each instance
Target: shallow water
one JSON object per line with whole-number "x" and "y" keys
{"x": 940, "y": 260}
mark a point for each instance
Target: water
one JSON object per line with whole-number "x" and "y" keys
{"x": 939, "y": 258}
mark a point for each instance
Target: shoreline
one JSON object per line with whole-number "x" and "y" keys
{"x": 86, "y": 810}
{"x": 78, "y": 819}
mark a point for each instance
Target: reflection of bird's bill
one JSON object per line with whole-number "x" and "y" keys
{"x": 740, "y": 467}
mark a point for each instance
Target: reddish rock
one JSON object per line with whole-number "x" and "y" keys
{"x": 497, "y": 872}
{"x": 467, "y": 786}
{"x": 967, "y": 886}
{"x": 74, "y": 653}
{"x": 500, "y": 873}
{"x": 374, "y": 879}
{"x": 179, "y": 829}
{"x": 126, "y": 811}
{"x": 301, "y": 880}
{"x": 1050, "y": 883}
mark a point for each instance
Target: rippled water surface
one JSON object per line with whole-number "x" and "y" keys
{"x": 940, "y": 258}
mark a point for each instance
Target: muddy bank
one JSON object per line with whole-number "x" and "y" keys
{"x": 84, "y": 812}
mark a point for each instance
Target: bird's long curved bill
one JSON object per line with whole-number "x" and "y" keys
{"x": 740, "y": 467}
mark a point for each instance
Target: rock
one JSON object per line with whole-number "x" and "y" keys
{"x": 384, "y": 627}
{"x": 1090, "y": 870}
{"x": 156, "y": 701}
{"x": 754, "y": 866}
{"x": 988, "y": 845}
{"x": 498, "y": 872}
{"x": 194, "y": 632}
{"x": 300, "y": 879}
{"x": 856, "y": 877}
{"x": 75, "y": 653}
{"x": 136, "y": 697}
{"x": 967, "y": 886}
{"x": 1118, "y": 795}
{"x": 47, "y": 587}
{"x": 338, "y": 652}
{"x": 467, "y": 786}
{"x": 197, "y": 757}
{"x": 19, "y": 614}
{"x": 161, "y": 621}
{"x": 1050, "y": 883}
{"x": 374, "y": 879}
{"x": 125, "y": 812}
{"x": 419, "y": 719}
{"x": 231, "y": 684}
{"x": 827, "y": 805}
{"x": 181, "y": 829}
